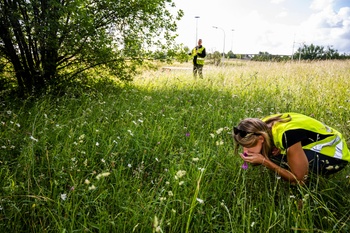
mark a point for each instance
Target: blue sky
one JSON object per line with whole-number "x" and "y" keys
{"x": 274, "y": 26}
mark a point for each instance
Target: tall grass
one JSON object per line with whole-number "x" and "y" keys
{"x": 157, "y": 155}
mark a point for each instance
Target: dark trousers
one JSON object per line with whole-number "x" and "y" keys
{"x": 198, "y": 69}
{"x": 318, "y": 163}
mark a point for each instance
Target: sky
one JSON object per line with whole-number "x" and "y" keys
{"x": 273, "y": 26}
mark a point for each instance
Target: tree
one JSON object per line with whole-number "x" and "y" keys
{"x": 182, "y": 54}
{"x": 216, "y": 58}
{"x": 316, "y": 52}
{"x": 50, "y": 41}
{"x": 230, "y": 54}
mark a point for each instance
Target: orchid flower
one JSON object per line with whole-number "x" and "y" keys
{"x": 245, "y": 164}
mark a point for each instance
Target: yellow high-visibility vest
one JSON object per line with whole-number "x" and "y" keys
{"x": 200, "y": 60}
{"x": 333, "y": 145}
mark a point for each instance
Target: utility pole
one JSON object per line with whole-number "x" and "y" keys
{"x": 223, "y": 51}
{"x": 196, "y": 17}
{"x": 232, "y": 40}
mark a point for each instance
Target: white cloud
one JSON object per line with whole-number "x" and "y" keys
{"x": 318, "y": 5}
{"x": 326, "y": 26}
{"x": 282, "y": 14}
{"x": 277, "y": 1}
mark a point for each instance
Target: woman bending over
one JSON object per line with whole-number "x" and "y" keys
{"x": 292, "y": 145}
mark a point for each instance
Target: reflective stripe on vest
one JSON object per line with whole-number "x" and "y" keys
{"x": 200, "y": 60}
{"x": 338, "y": 149}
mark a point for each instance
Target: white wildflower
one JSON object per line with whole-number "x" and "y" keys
{"x": 104, "y": 174}
{"x": 92, "y": 187}
{"x": 219, "y": 131}
{"x": 201, "y": 169}
{"x": 180, "y": 174}
{"x": 131, "y": 134}
{"x": 170, "y": 193}
{"x": 306, "y": 197}
{"x": 156, "y": 224}
{"x": 97, "y": 144}
{"x": 200, "y": 201}
{"x": 212, "y": 135}
{"x": 87, "y": 181}
{"x": 195, "y": 159}
{"x": 219, "y": 143}
{"x": 64, "y": 196}
{"x": 181, "y": 183}
{"x": 34, "y": 139}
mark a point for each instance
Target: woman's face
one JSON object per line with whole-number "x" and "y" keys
{"x": 255, "y": 149}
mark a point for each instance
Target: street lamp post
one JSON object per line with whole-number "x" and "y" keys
{"x": 223, "y": 51}
{"x": 196, "y": 17}
{"x": 232, "y": 40}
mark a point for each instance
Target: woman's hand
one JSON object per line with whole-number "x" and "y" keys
{"x": 253, "y": 158}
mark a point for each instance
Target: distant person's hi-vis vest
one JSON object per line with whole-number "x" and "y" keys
{"x": 334, "y": 145}
{"x": 200, "y": 60}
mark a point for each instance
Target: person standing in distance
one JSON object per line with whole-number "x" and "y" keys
{"x": 198, "y": 54}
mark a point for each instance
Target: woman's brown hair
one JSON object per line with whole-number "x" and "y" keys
{"x": 255, "y": 127}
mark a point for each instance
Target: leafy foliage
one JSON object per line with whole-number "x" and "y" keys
{"x": 316, "y": 52}
{"x": 215, "y": 58}
{"x": 47, "y": 42}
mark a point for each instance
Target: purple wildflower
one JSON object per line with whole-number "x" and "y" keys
{"x": 245, "y": 164}
{"x": 187, "y": 134}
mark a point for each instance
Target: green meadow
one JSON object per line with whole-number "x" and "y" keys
{"x": 157, "y": 155}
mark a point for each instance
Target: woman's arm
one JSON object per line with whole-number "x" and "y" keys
{"x": 297, "y": 161}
